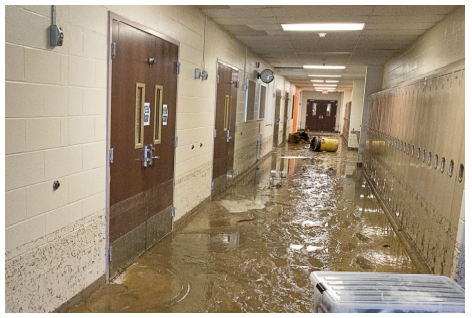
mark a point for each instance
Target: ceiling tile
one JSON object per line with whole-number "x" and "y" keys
{"x": 399, "y": 26}
{"x": 413, "y": 10}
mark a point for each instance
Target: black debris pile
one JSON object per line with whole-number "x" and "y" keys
{"x": 299, "y": 136}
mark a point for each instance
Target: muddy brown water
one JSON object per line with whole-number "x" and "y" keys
{"x": 253, "y": 248}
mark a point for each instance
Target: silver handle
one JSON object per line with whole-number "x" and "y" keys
{"x": 146, "y": 158}
{"x": 151, "y": 149}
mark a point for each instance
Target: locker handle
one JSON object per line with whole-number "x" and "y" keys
{"x": 451, "y": 168}
{"x": 461, "y": 172}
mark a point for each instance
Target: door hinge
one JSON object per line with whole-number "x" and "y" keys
{"x": 217, "y": 79}
{"x": 109, "y": 253}
{"x": 111, "y": 155}
{"x": 176, "y": 141}
{"x": 214, "y": 134}
{"x": 113, "y": 49}
{"x": 178, "y": 67}
{"x": 212, "y": 185}
{"x": 237, "y": 84}
{"x": 172, "y": 212}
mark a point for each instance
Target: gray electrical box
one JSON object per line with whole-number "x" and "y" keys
{"x": 56, "y": 35}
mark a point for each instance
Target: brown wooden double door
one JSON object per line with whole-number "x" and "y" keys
{"x": 225, "y": 123}
{"x": 143, "y": 113}
{"x": 321, "y": 115}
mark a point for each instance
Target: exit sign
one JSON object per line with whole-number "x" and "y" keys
{"x": 324, "y": 91}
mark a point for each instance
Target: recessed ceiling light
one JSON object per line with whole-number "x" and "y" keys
{"x": 328, "y": 81}
{"x": 325, "y": 75}
{"x": 323, "y": 26}
{"x": 317, "y": 81}
{"x": 326, "y": 85}
{"x": 326, "y": 67}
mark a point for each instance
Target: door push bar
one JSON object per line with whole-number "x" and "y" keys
{"x": 148, "y": 159}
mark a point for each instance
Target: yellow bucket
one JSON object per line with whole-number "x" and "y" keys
{"x": 330, "y": 145}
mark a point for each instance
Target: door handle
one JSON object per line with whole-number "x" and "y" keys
{"x": 228, "y": 137}
{"x": 148, "y": 158}
{"x": 151, "y": 149}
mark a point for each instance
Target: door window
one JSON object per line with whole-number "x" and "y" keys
{"x": 158, "y": 114}
{"x": 226, "y": 117}
{"x": 139, "y": 121}
{"x": 314, "y": 109}
{"x": 328, "y": 110}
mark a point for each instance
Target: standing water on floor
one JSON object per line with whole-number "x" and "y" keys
{"x": 253, "y": 248}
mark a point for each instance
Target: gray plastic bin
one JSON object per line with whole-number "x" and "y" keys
{"x": 362, "y": 292}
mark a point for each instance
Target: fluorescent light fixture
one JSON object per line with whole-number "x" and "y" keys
{"x": 323, "y": 26}
{"x": 326, "y": 67}
{"x": 321, "y": 90}
{"x": 317, "y": 81}
{"x": 325, "y": 88}
{"x": 325, "y": 75}
{"x": 326, "y": 85}
{"x": 328, "y": 81}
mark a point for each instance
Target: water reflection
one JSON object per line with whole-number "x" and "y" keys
{"x": 252, "y": 248}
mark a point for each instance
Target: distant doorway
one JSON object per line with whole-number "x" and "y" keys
{"x": 321, "y": 115}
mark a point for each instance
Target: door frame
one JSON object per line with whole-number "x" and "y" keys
{"x": 113, "y": 16}
{"x": 219, "y": 61}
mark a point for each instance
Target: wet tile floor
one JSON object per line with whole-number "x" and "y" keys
{"x": 253, "y": 248}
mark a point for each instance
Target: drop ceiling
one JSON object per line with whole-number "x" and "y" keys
{"x": 388, "y": 30}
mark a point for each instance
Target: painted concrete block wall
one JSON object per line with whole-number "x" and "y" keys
{"x": 306, "y": 95}
{"x": 56, "y": 130}
{"x": 440, "y": 46}
{"x": 55, "y": 117}
{"x": 356, "y": 112}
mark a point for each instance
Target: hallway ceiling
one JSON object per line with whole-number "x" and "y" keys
{"x": 388, "y": 30}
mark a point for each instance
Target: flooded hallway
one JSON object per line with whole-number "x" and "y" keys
{"x": 252, "y": 248}
{"x": 234, "y": 158}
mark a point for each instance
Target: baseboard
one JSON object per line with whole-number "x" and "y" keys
{"x": 84, "y": 294}
{"x": 188, "y": 216}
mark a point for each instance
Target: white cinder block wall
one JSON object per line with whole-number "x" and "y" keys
{"x": 55, "y": 109}
{"x": 443, "y": 45}
{"x": 55, "y": 106}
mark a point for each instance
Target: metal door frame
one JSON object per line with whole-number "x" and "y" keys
{"x": 218, "y": 61}
{"x": 113, "y": 16}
